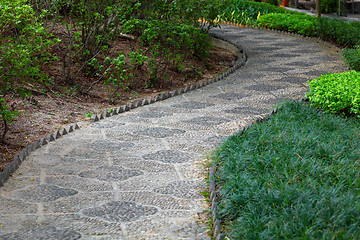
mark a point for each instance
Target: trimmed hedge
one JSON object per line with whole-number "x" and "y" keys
{"x": 302, "y": 24}
{"x": 343, "y": 33}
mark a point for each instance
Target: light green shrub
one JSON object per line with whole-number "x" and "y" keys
{"x": 337, "y": 93}
{"x": 23, "y": 50}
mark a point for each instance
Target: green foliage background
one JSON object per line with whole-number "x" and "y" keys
{"x": 168, "y": 29}
{"x": 23, "y": 50}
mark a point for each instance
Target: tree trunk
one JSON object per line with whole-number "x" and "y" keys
{"x": 318, "y": 8}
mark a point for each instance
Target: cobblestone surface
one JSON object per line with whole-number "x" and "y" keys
{"x": 41, "y": 232}
{"x": 139, "y": 175}
{"x": 120, "y": 211}
{"x": 193, "y": 105}
{"x": 169, "y": 156}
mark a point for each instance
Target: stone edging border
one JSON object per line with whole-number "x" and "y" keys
{"x": 214, "y": 196}
{"x": 20, "y": 156}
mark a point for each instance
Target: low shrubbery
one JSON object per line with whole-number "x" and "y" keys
{"x": 171, "y": 42}
{"x": 247, "y": 12}
{"x": 301, "y": 23}
{"x": 295, "y": 176}
{"x": 337, "y": 93}
{"x": 352, "y": 57}
{"x": 338, "y": 31}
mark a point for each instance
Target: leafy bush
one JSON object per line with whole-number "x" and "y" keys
{"x": 352, "y": 57}
{"x": 186, "y": 11}
{"x": 23, "y": 50}
{"x": 302, "y": 24}
{"x": 292, "y": 177}
{"x": 92, "y": 26}
{"x": 272, "y": 2}
{"x": 247, "y": 12}
{"x": 171, "y": 42}
{"x": 337, "y": 93}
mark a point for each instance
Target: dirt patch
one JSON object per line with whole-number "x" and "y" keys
{"x": 58, "y": 105}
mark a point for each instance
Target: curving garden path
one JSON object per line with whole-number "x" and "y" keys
{"x": 138, "y": 175}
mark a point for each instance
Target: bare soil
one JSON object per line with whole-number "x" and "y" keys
{"x": 60, "y": 104}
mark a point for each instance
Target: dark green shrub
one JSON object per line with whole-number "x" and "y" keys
{"x": 337, "y": 93}
{"x": 329, "y": 6}
{"x": 172, "y": 42}
{"x": 343, "y": 33}
{"x": 272, "y": 2}
{"x": 185, "y": 11}
{"x": 247, "y": 12}
{"x": 352, "y": 57}
{"x": 301, "y": 24}
{"x": 90, "y": 27}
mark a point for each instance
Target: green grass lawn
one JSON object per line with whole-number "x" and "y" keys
{"x": 295, "y": 176}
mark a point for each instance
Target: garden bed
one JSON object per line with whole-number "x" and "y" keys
{"x": 295, "y": 176}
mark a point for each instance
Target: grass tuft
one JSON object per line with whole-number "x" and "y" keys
{"x": 295, "y": 176}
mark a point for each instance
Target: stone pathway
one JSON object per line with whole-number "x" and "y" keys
{"x": 139, "y": 175}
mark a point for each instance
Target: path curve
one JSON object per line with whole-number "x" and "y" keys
{"x": 139, "y": 175}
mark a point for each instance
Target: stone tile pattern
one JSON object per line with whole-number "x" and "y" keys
{"x": 138, "y": 175}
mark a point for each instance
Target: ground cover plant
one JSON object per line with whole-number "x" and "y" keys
{"x": 295, "y": 176}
